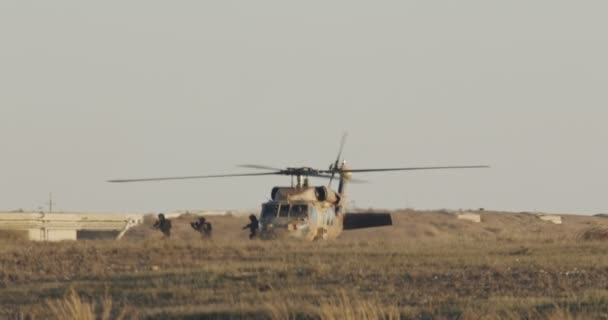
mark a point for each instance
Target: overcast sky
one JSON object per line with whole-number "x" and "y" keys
{"x": 123, "y": 89}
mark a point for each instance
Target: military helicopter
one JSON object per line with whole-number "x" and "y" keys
{"x": 310, "y": 212}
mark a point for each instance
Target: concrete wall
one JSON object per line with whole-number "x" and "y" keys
{"x": 51, "y": 235}
{"x": 551, "y": 218}
{"x": 469, "y": 216}
{"x": 65, "y": 226}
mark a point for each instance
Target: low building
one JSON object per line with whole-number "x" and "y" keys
{"x": 550, "y": 218}
{"x": 469, "y": 216}
{"x": 40, "y": 226}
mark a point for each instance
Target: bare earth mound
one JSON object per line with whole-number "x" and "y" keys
{"x": 224, "y": 228}
{"x": 408, "y": 225}
{"x": 443, "y": 225}
{"x": 596, "y": 233}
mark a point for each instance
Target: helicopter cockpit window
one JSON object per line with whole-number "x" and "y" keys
{"x": 299, "y": 211}
{"x": 269, "y": 211}
{"x": 284, "y": 211}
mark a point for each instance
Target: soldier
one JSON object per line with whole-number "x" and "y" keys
{"x": 164, "y": 225}
{"x": 203, "y": 227}
{"x": 253, "y": 226}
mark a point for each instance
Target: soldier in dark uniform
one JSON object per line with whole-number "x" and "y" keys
{"x": 203, "y": 227}
{"x": 164, "y": 225}
{"x": 253, "y": 226}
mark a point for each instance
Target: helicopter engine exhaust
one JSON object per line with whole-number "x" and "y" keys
{"x": 324, "y": 194}
{"x": 320, "y": 193}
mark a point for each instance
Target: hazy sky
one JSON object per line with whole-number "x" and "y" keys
{"x": 121, "y": 89}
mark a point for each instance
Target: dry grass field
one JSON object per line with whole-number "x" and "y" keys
{"x": 428, "y": 266}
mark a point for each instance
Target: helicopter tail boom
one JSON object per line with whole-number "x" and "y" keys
{"x": 366, "y": 220}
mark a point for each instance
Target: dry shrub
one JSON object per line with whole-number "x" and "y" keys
{"x": 279, "y": 310}
{"x": 560, "y": 314}
{"x": 594, "y": 234}
{"x": 350, "y": 307}
{"x": 342, "y": 306}
{"x": 73, "y": 307}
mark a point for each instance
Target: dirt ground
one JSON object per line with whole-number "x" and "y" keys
{"x": 428, "y": 265}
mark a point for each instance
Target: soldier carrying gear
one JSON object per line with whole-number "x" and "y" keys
{"x": 253, "y": 226}
{"x": 203, "y": 227}
{"x": 164, "y": 225}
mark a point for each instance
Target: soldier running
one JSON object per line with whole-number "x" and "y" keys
{"x": 253, "y": 226}
{"x": 203, "y": 227}
{"x": 164, "y": 225}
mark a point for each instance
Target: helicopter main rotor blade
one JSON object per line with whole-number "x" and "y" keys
{"x": 351, "y": 180}
{"x": 342, "y": 143}
{"x": 257, "y": 166}
{"x": 409, "y": 169}
{"x": 337, "y": 163}
{"x": 197, "y": 177}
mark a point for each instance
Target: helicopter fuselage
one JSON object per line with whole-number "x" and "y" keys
{"x": 311, "y": 213}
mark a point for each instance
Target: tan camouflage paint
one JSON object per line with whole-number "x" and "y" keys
{"x": 308, "y": 229}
